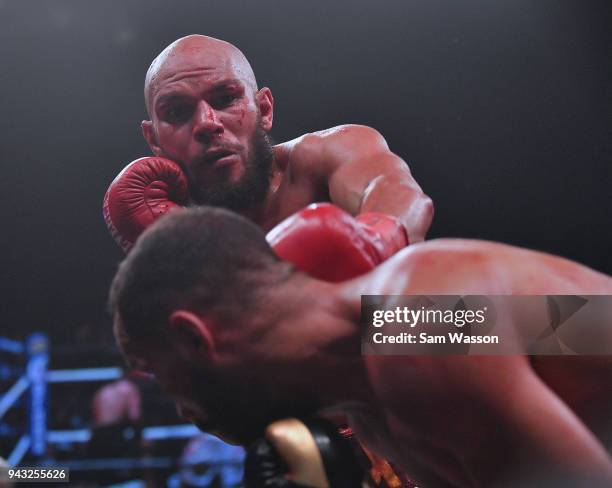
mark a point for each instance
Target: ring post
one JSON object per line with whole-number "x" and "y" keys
{"x": 38, "y": 358}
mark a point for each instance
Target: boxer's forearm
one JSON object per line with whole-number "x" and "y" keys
{"x": 402, "y": 199}
{"x": 382, "y": 182}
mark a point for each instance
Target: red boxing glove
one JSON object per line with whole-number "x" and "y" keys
{"x": 328, "y": 243}
{"x": 145, "y": 190}
{"x": 387, "y": 233}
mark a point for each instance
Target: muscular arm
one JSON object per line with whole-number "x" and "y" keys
{"x": 363, "y": 175}
{"x": 475, "y": 421}
{"x": 481, "y": 421}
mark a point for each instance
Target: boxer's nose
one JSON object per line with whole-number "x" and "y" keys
{"x": 206, "y": 124}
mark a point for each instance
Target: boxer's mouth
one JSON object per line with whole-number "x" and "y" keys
{"x": 215, "y": 155}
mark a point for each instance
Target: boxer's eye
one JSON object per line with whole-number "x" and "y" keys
{"x": 224, "y": 100}
{"x": 178, "y": 114}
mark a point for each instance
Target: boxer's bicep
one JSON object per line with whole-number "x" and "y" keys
{"x": 354, "y": 156}
{"x": 375, "y": 182}
{"x": 360, "y": 174}
{"x": 365, "y": 176}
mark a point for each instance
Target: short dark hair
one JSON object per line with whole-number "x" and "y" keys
{"x": 203, "y": 258}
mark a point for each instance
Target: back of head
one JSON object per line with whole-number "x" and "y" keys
{"x": 207, "y": 259}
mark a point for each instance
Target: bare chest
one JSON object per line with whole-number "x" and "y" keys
{"x": 288, "y": 194}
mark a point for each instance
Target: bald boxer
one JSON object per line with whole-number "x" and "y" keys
{"x": 208, "y": 129}
{"x": 240, "y": 338}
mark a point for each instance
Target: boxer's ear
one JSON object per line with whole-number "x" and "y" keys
{"x": 265, "y": 102}
{"x": 148, "y": 132}
{"x": 192, "y": 336}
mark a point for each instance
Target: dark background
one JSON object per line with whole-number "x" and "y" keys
{"x": 502, "y": 108}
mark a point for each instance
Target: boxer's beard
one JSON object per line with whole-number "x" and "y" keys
{"x": 252, "y": 187}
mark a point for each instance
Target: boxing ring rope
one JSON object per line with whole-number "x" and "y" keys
{"x": 11, "y": 396}
{"x": 10, "y": 345}
{"x": 184, "y": 431}
{"x": 35, "y": 382}
{"x": 84, "y": 374}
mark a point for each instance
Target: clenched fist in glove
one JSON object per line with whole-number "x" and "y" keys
{"x": 296, "y": 454}
{"x": 330, "y": 244}
{"x": 144, "y": 191}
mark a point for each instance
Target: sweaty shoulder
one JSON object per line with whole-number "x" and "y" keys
{"x": 464, "y": 266}
{"x": 320, "y": 153}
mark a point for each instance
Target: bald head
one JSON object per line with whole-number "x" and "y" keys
{"x": 192, "y": 54}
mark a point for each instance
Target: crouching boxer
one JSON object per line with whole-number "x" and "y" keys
{"x": 240, "y": 339}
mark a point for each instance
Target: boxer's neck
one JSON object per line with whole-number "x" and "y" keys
{"x": 266, "y": 213}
